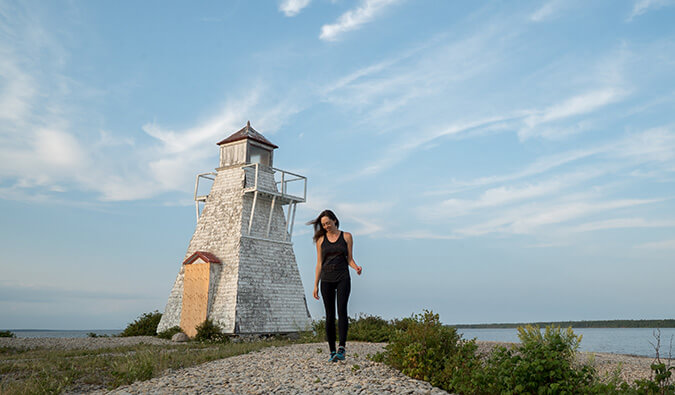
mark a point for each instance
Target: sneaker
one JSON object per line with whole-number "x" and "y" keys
{"x": 340, "y": 355}
{"x": 332, "y": 357}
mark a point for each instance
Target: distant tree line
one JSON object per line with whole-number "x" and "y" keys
{"x": 670, "y": 323}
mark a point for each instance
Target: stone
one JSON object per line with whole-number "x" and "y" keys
{"x": 180, "y": 337}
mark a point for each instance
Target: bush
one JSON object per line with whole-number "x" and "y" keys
{"x": 7, "y": 334}
{"x": 208, "y": 331}
{"x": 542, "y": 363}
{"x": 145, "y": 325}
{"x": 366, "y": 328}
{"x": 424, "y": 348}
{"x": 369, "y": 328}
{"x": 168, "y": 334}
{"x": 421, "y": 347}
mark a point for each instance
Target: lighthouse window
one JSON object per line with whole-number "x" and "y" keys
{"x": 259, "y": 155}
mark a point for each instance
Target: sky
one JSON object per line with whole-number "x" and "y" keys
{"x": 495, "y": 161}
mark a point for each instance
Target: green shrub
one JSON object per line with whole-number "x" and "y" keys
{"x": 423, "y": 349}
{"x": 168, "y": 334}
{"x": 542, "y": 363}
{"x": 7, "y": 334}
{"x": 208, "y": 331}
{"x": 366, "y": 328}
{"x": 145, "y": 325}
{"x": 369, "y": 328}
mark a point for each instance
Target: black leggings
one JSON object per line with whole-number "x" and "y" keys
{"x": 328, "y": 292}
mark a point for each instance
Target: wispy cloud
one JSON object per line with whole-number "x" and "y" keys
{"x": 642, "y": 6}
{"x": 43, "y": 154}
{"x": 366, "y": 214}
{"x": 577, "y": 105}
{"x": 528, "y": 219}
{"x": 548, "y": 10}
{"x": 419, "y": 235}
{"x": 409, "y": 143}
{"x": 354, "y": 18}
{"x": 292, "y": 8}
{"x": 621, "y": 223}
{"x": 659, "y": 245}
{"x": 652, "y": 145}
{"x": 505, "y": 195}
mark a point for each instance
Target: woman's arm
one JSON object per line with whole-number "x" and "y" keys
{"x": 317, "y": 274}
{"x": 350, "y": 258}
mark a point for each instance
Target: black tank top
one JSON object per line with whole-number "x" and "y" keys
{"x": 334, "y": 266}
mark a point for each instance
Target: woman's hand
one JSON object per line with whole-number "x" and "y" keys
{"x": 358, "y": 270}
{"x": 316, "y": 293}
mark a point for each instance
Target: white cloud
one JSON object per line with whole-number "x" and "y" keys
{"x": 409, "y": 143}
{"x": 660, "y": 245}
{"x": 354, "y": 19}
{"x": 547, "y": 10}
{"x": 571, "y": 107}
{"x": 419, "y": 234}
{"x": 642, "y": 6}
{"x": 504, "y": 195}
{"x": 620, "y": 223}
{"x": 292, "y": 8}
{"x": 527, "y": 219}
{"x": 365, "y": 214}
{"x": 58, "y": 148}
{"x": 652, "y": 145}
{"x": 17, "y": 89}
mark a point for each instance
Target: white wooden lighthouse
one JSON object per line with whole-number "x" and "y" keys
{"x": 239, "y": 269}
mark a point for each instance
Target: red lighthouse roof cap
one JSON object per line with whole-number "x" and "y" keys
{"x": 205, "y": 256}
{"x": 247, "y": 132}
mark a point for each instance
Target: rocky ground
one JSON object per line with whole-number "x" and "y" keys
{"x": 296, "y": 369}
{"x": 301, "y": 368}
{"x": 78, "y": 343}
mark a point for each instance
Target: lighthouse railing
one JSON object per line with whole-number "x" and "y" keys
{"x": 202, "y": 198}
{"x": 279, "y": 190}
{"x": 282, "y": 180}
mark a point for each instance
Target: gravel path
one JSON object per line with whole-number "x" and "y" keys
{"x": 296, "y": 369}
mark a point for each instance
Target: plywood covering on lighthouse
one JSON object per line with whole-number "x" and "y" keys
{"x": 195, "y": 297}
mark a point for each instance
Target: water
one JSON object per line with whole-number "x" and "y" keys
{"x": 57, "y": 333}
{"x": 633, "y": 341}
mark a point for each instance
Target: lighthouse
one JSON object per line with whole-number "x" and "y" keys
{"x": 239, "y": 270}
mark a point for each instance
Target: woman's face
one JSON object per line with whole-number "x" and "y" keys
{"x": 328, "y": 224}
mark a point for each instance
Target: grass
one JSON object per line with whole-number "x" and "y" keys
{"x": 49, "y": 371}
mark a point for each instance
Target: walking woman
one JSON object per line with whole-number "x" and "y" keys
{"x": 333, "y": 258}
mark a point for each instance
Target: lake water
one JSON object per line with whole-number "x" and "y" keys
{"x": 634, "y": 341}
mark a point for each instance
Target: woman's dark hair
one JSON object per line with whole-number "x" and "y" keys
{"x": 319, "y": 231}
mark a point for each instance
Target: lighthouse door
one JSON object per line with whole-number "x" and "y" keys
{"x": 195, "y": 297}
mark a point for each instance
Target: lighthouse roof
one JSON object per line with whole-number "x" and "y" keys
{"x": 247, "y": 132}
{"x": 205, "y": 256}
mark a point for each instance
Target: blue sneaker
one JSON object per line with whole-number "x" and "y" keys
{"x": 332, "y": 357}
{"x": 340, "y": 355}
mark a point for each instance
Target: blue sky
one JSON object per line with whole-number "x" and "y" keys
{"x": 495, "y": 161}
